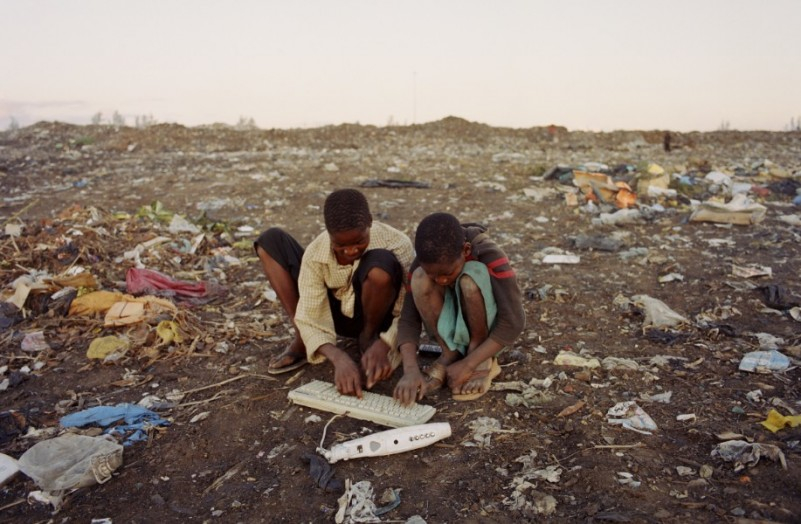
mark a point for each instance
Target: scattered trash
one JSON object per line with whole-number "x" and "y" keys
{"x": 671, "y": 277}
{"x": 747, "y": 454}
{"x": 71, "y": 461}
{"x": 768, "y": 342}
{"x": 568, "y": 358}
{"x": 169, "y": 332}
{"x": 388, "y": 442}
{"x": 530, "y": 394}
{"x": 133, "y": 310}
{"x": 136, "y": 420}
{"x": 751, "y": 271}
{"x": 8, "y": 468}
{"x": 12, "y": 425}
{"x": 657, "y": 313}
{"x": 619, "y": 363}
{"x": 94, "y": 302}
{"x": 322, "y": 473}
{"x": 663, "y": 398}
{"x": 764, "y": 362}
{"x": 561, "y": 259}
{"x": 179, "y": 224}
{"x": 619, "y": 218}
{"x": 483, "y": 429}
{"x": 740, "y": 210}
{"x": 148, "y": 281}
{"x": 395, "y": 184}
{"x": 596, "y": 242}
{"x": 631, "y": 416}
{"x": 777, "y": 421}
{"x": 13, "y": 230}
{"x": 200, "y": 417}
{"x": 571, "y": 409}
{"x": 627, "y": 479}
{"x": 356, "y": 504}
{"x": 598, "y": 187}
{"x": 34, "y": 342}
{"x": 10, "y": 314}
{"x": 108, "y": 348}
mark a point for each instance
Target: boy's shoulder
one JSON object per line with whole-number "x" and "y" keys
{"x": 385, "y": 230}
{"x": 475, "y": 232}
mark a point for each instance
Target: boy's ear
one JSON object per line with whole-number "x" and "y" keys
{"x": 467, "y": 249}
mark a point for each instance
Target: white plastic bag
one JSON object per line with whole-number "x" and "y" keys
{"x": 71, "y": 461}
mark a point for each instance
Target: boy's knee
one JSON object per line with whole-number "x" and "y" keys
{"x": 469, "y": 287}
{"x": 271, "y": 237}
{"x": 420, "y": 283}
{"x": 378, "y": 277}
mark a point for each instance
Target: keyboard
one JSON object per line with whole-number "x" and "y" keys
{"x": 381, "y": 409}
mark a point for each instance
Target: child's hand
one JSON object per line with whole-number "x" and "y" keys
{"x": 347, "y": 377}
{"x": 375, "y": 363}
{"x": 410, "y": 387}
{"x": 458, "y": 372}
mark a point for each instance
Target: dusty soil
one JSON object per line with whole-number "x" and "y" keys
{"x": 243, "y": 463}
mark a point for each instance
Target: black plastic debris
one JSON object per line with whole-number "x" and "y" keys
{"x": 778, "y": 297}
{"x": 322, "y": 473}
{"x": 596, "y": 243}
{"x": 395, "y": 183}
{"x": 9, "y": 315}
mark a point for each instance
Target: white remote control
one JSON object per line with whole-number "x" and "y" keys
{"x": 388, "y": 442}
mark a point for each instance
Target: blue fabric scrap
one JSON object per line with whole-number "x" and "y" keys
{"x": 137, "y": 419}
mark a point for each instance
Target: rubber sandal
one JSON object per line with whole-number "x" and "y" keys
{"x": 487, "y": 374}
{"x": 435, "y": 376}
{"x": 299, "y": 362}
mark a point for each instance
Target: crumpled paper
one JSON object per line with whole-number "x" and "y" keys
{"x": 746, "y": 454}
{"x": 631, "y": 416}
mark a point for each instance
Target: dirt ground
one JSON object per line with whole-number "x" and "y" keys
{"x": 77, "y": 192}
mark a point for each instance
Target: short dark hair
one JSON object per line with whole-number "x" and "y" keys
{"x": 439, "y": 238}
{"x": 346, "y": 209}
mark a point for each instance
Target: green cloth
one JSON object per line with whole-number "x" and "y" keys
{"x": 451, "y": 324}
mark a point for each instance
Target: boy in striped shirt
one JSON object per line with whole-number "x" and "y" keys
{"x": 465, "y": 293}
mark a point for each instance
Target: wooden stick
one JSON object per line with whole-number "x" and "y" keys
{"x": 218, "y": 384}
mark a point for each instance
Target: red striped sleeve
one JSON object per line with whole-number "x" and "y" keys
{"x": 509, "y": 273}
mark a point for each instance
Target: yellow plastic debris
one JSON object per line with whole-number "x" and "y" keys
{"x": 95, "y": 302}
{"x": 131, "y": 310}
{"x": 84, "y": 279}
{"x": 105, "y": 346}
{"x": 169, "y": 332}
{"x": 777, "y": 421}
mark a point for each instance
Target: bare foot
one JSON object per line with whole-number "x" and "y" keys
{"x": 480, "y": 381}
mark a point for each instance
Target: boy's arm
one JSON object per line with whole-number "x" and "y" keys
{"x": 511, "y": 318}
{"x": 313, "y": 314}
{"x": 410, "y": 322}
{"x": 404, "y": 251}
{"x": 411, "y": 386}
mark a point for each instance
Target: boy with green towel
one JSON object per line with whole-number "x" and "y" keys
{"x": 465, "y": 293}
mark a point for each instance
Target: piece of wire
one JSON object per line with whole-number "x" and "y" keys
{"x": 325, "y": 428}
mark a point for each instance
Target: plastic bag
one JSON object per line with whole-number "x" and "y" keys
{"x": 71, "y": 461}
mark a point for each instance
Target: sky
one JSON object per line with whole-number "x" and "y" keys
{"x": 596, "y": 65}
